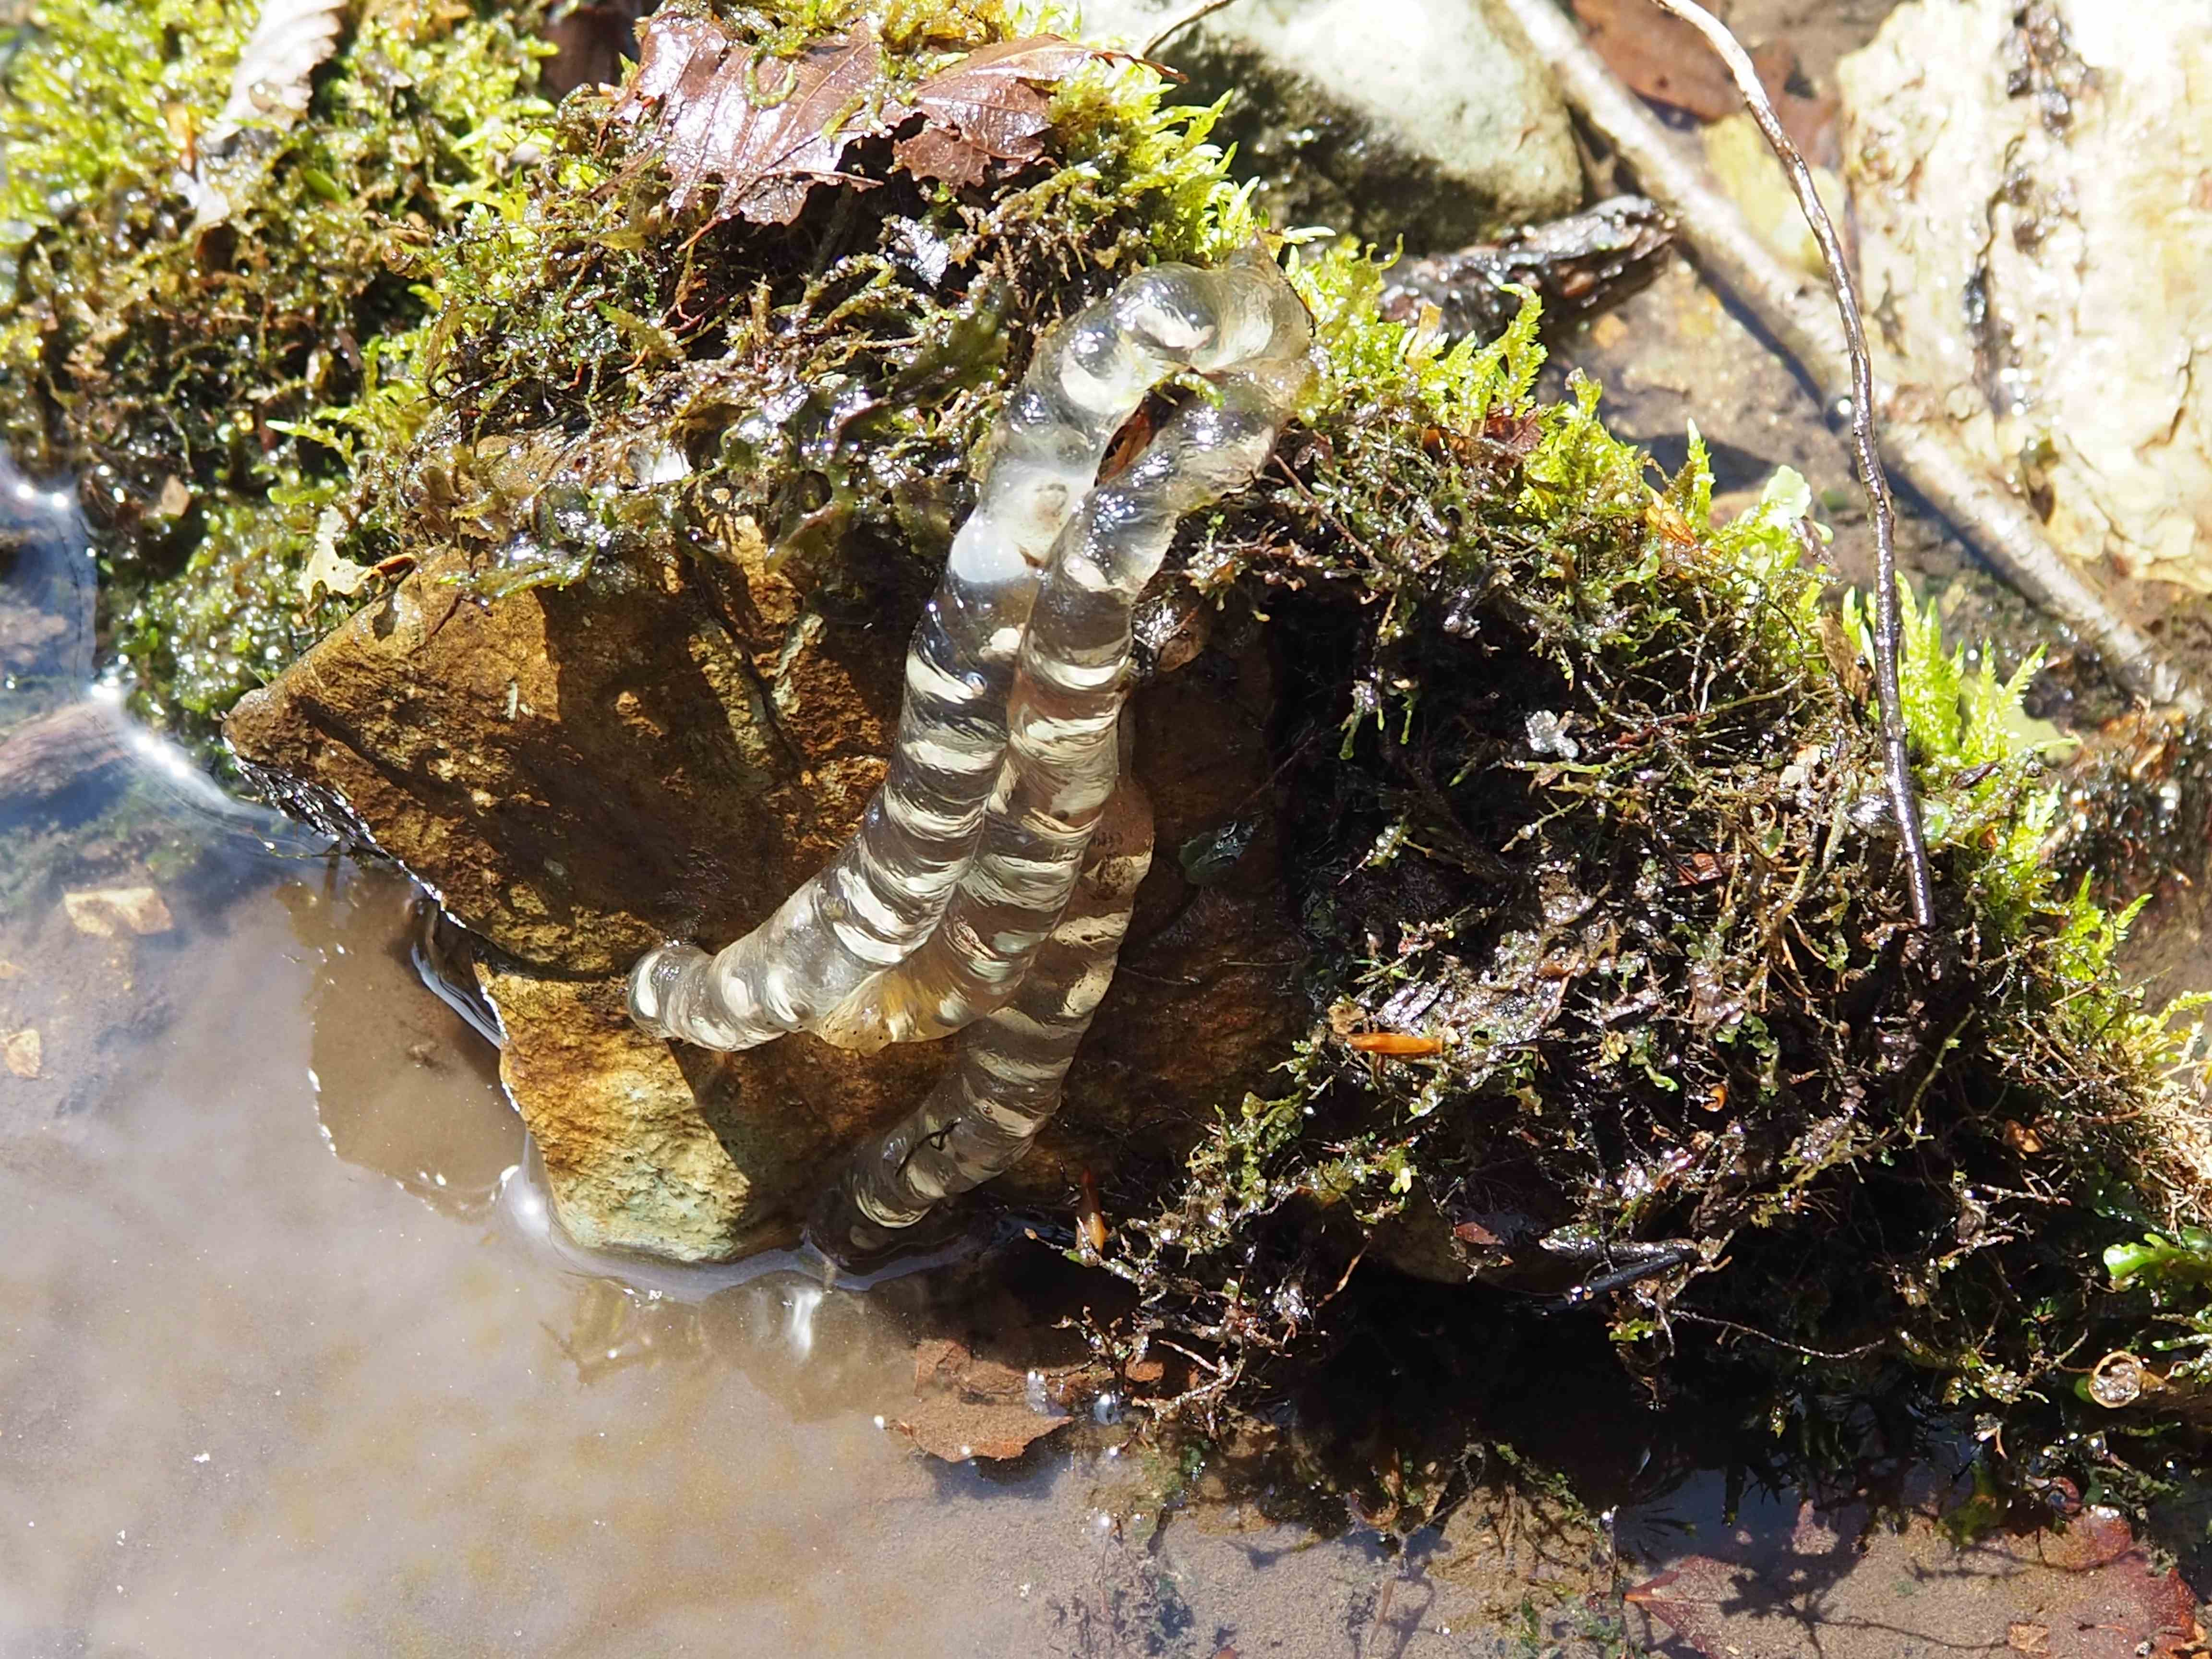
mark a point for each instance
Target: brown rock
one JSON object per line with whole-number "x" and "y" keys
{"x": 112, "y": 912}
{"x": 579, "y": 774}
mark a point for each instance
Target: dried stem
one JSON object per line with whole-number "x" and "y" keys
{"x": 1176, "y": 25}
{"x": 1804, "y": 323}
{"x": 1904, "y": 803}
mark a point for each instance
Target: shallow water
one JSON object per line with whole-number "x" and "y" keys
{"x": 282, "y": 1374}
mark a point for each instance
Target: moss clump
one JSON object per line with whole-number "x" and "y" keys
{"x": 1588, "y": 802}
{"x": 605, "y": 369}
{"x": 165, "y": 361}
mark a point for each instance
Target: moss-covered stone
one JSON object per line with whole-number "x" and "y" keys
{"x": 1613, "y": 994}
{"x": 1615, "y": 982}
{"x": 165, "y": 361}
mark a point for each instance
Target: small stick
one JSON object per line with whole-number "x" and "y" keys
{"x": 1904, "y": 803}
{"x": 1806, "y": 326}
{"x": 1177, "y": 24}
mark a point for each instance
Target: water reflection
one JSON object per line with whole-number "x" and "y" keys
{"x": 403, "y": 1085}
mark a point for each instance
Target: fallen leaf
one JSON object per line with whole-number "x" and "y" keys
{"x": 9, "y": 970}
{"x": 111, "y": 912}
{"x": 2023, "y": 1637}
{"x": 1660, "y": 58}
{"x": 988, "y": 107}
{"x": 328, "y": 567}
{"x": 956, "y": 1430}
{"x": 767, "y": 128}
{"x": 24, "y": 1053}
{"x": 972, "y": 1408}
{"x": 1667, "y": 61}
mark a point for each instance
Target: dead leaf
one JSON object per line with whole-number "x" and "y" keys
{"x": 956, "y": 1430}
{"x": 326, "y": 567}
{"x": 25, "y": 1054}
{"x": 1667, "y": 61}
{"x": 972, "y": 1408}
{"x": 1660, "y": 58}
{"x": 767, "y": 128}
{"x": 9, "y": 970}
{"x": 2023, "y": 1637}
{"x": 111, "y": 912}
{"x": 988, "y": 107}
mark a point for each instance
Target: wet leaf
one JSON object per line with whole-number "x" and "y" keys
{"x": 968, "y": 1406}
{"x": 25, "y": 1053}
{"x": 768, "y": 130}
{"x": 988, "y": 107}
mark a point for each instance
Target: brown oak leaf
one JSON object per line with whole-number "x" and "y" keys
{"x": 988, "y": 107}
{"x": 767, "y": 128}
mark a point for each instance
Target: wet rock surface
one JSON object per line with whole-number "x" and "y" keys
{"x": 578, "y": 774}
{"x": 2030, "y": 222}
{"x": 1384, "y": 119}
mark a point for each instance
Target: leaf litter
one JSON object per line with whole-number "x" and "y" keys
{"x": 767, "y": 129}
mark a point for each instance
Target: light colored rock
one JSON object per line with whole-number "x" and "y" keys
{"x": 2033, "y": 195}
{"x": 111, "y": 912}
{"x": 1388, "y": 119}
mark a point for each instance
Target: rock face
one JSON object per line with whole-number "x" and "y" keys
{"x": 577, "y": 773}
{"x": 1384, "y": 119}
{"x": 2032, "y": 188}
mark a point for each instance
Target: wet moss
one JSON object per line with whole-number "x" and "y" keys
{"x": 604, "y": 368}
{"x": 1619, "y": 1007}
{"x": 165, "y": 360}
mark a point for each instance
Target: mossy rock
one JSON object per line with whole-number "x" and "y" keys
{"x": 165, "y": 362}
{"x": 1598, "y": 947}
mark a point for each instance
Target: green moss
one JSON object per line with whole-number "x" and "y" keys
{"x": 1587, "y": 798}
{"x": 165, "y": 361}
{"x": 603, "y": 367}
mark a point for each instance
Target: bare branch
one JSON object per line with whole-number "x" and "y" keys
{"x": 1805, "y": 325}
{"x": 1177, "y": 24}
{"x": 1904, "y": 803}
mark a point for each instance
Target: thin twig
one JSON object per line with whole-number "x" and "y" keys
{"x": 1889, "y": 625}
{"x": 1862, "y": 1350}
{"x": 1176, "y": 25}
{"x": 1804, "y": 324}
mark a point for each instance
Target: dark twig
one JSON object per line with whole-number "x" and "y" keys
{"x": 1803, "y": 322}
{"x": 1178, "y": 23}
{"x": 1889, "y": 626}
